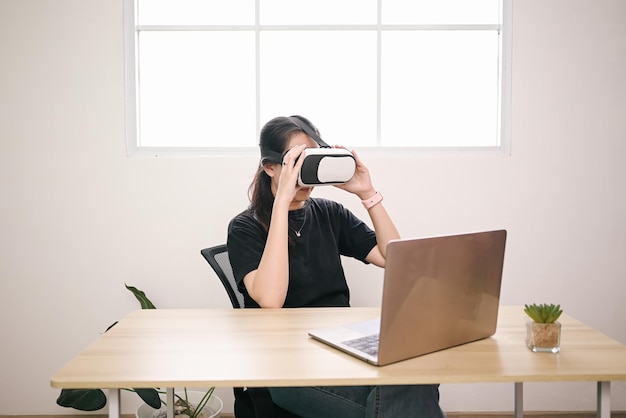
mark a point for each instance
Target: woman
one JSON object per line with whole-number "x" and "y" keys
{"x": 286, "y": 249}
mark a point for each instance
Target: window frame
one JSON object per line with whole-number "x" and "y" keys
{"x": 131, "y": 34}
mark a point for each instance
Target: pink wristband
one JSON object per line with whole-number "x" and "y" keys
{"x": 372, "y": 201}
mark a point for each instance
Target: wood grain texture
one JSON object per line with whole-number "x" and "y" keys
{"x": 258, "y": 347}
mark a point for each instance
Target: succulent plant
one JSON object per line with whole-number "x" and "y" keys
{"x": 543, "y": 313}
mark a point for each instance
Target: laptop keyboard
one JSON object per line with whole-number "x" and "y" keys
{"x": 367, "y": 344}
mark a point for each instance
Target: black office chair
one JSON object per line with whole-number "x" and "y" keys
{"x": 217, "y": 257}
{"x": 249, "y": 402}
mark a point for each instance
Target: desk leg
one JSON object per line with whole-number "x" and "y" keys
{"x": 169, "y": 396}
{"x": 604, "y": 400}
{"x": 519, "y": 400}
{"x": 114, "y": 403}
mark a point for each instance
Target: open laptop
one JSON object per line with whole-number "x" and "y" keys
{"x": 438, "y": 292}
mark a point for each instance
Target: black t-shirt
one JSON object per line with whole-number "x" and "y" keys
{"x": 316, "y": 276}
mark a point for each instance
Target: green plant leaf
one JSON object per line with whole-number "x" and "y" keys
{"x": 111, "y": 326}
{"x": 543, "y": 313}
{"x": 149, "y": 396}
{"x": 204, "y": 401}
{"x": 82, "y": 399}
{"x": 141, "y": 297}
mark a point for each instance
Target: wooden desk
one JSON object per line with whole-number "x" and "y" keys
{"x": 262, "y": 347}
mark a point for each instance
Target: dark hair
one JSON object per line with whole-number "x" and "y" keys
{"x": 275, "y": 135}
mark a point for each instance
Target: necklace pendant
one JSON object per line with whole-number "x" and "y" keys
{"x": 297, "y": 232}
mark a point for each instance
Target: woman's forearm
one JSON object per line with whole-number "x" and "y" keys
{"x": 269, "y": 283}
{"x": 383, "y": 225}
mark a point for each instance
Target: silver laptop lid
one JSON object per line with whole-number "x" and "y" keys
{"x": 440, "y": 292}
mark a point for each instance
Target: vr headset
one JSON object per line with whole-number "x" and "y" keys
{"x": 325, "y": 165}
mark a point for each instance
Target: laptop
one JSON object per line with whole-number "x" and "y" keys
{"x": 438, "y": 292}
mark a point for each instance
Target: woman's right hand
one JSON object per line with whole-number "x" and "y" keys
{"x": 268, "y": 284}
{"x": 288, "y": 177}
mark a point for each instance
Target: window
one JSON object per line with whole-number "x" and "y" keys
{"x": 369, "y": 73}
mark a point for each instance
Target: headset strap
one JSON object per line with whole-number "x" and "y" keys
{"x": 271, "y": 156}
{"x": 310, "y": 132}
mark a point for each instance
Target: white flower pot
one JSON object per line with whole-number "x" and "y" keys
{"x": 212, "y": 409}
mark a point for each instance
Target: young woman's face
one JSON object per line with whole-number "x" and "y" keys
{"x": 300, "y": 138}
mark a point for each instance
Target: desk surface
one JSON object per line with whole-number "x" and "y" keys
{"x": 263, "y": 347}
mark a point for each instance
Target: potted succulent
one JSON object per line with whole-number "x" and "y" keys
{"x": 543, "y": 331}
{"x": 190, "y": 404}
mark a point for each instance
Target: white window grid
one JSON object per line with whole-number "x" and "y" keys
{"x": 133, "y": 29}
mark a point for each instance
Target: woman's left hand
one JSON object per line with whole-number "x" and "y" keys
{"x": 361, "y": 183}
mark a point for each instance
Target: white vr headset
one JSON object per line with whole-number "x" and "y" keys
{"x": 325, "y": 165}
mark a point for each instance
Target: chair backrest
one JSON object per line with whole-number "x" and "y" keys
{"x": 217, "y": 257}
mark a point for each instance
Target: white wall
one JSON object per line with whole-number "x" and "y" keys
{"x": 78, "y": 218}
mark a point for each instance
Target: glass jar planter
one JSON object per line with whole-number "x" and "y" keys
{"x": 543, "y": 338}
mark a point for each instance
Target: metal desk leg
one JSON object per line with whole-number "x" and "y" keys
{"x": 519, "y": 400}
{"x": 169, "y": 396}
{"x": 604, "y": 400}
{"x": 114, "y": 403}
